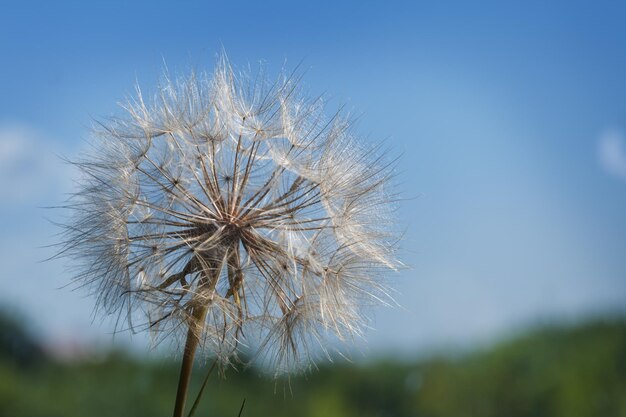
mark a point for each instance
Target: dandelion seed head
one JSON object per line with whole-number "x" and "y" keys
{"x": 238, "y": 197}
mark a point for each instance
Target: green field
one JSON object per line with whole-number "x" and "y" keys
{"x": 567, "y": 372}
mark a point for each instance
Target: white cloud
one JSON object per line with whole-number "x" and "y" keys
{"x": 612, "y": 153}
{"x": 30, "y": 170}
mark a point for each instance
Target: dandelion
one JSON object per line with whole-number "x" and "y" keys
{"x": 229, "y": 211}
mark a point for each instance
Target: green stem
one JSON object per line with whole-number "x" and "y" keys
{"x": 192, "y": 412}
{"x": 191, "y": 344}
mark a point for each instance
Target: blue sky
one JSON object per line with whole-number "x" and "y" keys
{"x": 511, "y": 121}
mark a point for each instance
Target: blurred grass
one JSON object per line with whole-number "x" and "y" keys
{"x": 568, "y": 372}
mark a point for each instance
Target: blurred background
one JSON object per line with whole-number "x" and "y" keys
{"x": 511, "y": 122}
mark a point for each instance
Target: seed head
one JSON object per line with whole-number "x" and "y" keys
{"x": 236, "y": 195}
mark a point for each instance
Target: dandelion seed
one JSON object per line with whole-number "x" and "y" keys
{"x": 230, "y": 211}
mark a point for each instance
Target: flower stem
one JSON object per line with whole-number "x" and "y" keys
{"x": 191, "y": 344}
{"x": 199, "y": 396}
